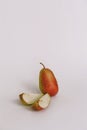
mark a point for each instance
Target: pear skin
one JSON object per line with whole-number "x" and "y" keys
{"x": 36, "y": 106}
{"x": 47, "y": 82}
{"x": 42, "y": 103}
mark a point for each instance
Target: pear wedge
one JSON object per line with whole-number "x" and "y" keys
{"x": 42, "y": 103}
{"x": 29, "y": 99}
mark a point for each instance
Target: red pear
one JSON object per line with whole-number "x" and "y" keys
{"x": 47, "y": 82}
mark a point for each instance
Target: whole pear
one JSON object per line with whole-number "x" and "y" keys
{"x": 47, "y": 81}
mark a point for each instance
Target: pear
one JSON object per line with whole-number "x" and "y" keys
{"x": 29, "y": 99}
{"x": 42, "y": 103}
{"x": 47, "y": 82}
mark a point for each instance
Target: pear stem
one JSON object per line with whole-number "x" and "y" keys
{"x": 42, "y": 65}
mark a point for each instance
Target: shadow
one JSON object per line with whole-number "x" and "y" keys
{"x": 18, "y": 102}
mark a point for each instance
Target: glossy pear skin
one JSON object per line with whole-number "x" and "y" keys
{"x": 47, "y": 82}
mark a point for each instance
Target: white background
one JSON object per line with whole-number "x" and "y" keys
{"x": 53, "y": 32}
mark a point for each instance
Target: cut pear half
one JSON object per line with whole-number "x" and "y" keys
{"x": 29, "y": 99}
{"x": 42, "y": 103}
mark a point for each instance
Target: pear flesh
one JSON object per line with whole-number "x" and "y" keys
{"x": 42, "y": 103}
{"x": 29, "y": 99}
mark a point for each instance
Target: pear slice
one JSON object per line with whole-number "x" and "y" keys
{"x": 42, "y": 103}
{"x": 29, "y": 99}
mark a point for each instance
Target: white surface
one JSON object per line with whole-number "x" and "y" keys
{"x": 53, "y": 32}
